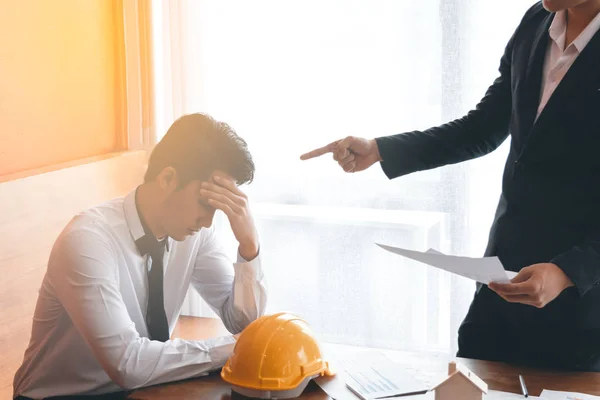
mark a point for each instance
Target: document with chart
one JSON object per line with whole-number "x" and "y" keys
{"x": 367, "y": 374}
{"x": 383, "y": 380}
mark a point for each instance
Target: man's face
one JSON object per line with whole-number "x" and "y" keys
{"x": 185, "y": 212}
{"x": 559, "y": 5}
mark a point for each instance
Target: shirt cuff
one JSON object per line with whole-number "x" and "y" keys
{"x": 251, "y": 270}
{"x": 220, "y": 350}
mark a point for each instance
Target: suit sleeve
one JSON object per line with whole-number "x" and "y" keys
{"x": 478, "y": 133}
{"x": 582, "y": 263}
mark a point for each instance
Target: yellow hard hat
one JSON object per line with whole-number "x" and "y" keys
{"x": 275, "y": 357}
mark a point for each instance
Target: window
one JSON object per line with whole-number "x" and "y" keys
{"x": 290, "y": 76}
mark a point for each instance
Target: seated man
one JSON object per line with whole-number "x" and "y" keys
{"x": 118, "y": 273}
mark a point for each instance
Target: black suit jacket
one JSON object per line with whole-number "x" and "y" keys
{"x": 549, "y": 210}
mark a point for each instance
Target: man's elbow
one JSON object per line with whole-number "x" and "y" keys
{"x": 127, "y": 372}
{"x": 128, "y": 378}
{"x": 235, "y": 326}
{"x": 123, "y": 382}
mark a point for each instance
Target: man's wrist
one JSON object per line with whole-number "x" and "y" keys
{"x": 375, "y": 150}
{"x": 567, "y": 282}
{"x": 248, "y": 251}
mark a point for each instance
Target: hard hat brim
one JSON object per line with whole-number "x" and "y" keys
{"x": 274, "y": 394}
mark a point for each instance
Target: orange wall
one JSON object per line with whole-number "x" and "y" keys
{"x": 60, "y": 81}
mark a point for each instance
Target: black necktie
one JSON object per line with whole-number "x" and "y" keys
{"x": 156, "y": 318}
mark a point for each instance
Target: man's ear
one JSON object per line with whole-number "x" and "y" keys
{"x": 167, "y": 180}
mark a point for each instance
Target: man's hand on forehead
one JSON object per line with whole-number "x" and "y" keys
{"x": 222, "y": 193}
{"x": 218, "y": 174}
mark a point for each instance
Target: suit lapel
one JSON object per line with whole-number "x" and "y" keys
{"x": 586, "y": 68}
{"x": 533, "y": 75}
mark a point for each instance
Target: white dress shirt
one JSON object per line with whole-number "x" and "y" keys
{"x": 89, "y": 332}
{"x": 558, "y": 59}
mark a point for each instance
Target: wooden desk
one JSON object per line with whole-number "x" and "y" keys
{"x": 430, "y": 367}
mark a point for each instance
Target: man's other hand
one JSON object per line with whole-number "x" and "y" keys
{"x": 536, "y": 285}
{"x": 352, "y": 154}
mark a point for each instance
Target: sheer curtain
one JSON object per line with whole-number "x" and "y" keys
{"x": 293, "y": 75}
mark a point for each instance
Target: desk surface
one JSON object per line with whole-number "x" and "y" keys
{"x": 499, "y": 376}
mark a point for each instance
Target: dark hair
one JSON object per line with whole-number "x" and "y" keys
{"x": 196, "y": 145}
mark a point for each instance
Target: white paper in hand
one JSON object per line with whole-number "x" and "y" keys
{"x": 484, "y": 270}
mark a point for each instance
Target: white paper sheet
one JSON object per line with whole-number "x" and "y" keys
{"x": 348, "y": 363}
{"x": 496, "y": 395}
{"x": 554, "y": 395}
{"x": 484, "y": 270}
{"x": 377, "y": 381}
{"x": 335, "y": 386}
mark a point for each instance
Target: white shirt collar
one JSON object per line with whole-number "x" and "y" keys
{"x": 558, "y": 31}
{"x": 132, "y": 216}
{"x": 136, "y": 228}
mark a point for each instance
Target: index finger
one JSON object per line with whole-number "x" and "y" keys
{"x": 227, "y": 183}
{"x": 320, "y": 151}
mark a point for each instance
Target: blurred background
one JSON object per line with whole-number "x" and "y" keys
{"x": 87, "y": 87}
{"x": 290, "y": 76}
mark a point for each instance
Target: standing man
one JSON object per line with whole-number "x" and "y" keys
{"x": 119, "y": 272}
{"x": 547, "y": 225}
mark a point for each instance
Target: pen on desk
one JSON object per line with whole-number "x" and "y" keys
{"x": 523, "y": 387}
